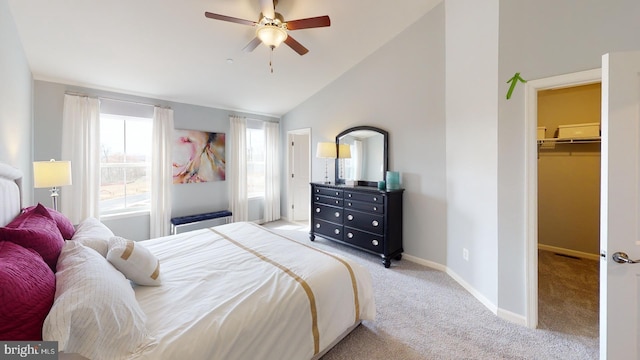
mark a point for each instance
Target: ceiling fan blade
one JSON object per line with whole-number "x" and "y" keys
{"x": 314, "y": 22}
{"x": 296, "y": 46}
{"x": 252, "y": 45}
{"x": 229, "y": 18}
{"x": 268, "y": 10}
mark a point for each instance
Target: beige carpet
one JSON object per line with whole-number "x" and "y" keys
{"x": 424, "y": 314}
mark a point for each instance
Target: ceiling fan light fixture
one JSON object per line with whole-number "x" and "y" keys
{"x": 271, "y": 35}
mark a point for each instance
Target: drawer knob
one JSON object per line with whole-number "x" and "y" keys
{"x": 375, "y": 198}
{"x": 317, "y": 210}
{"x": 337, "y": 193}
{"x": 375, "y": 223}
{"x": 349, "y": 204}
{"x": 337, "y": 201}
{"x": 374, "y": 242}
{"x": 337, "y": 231}
{"x": 349, "y": 195}
{"x": 317, "y": 198}
{"x": 350, "y": 235}
{"x": 317, "y": 190}
{"x": 337, "y": 214}
{"x": 317, "y": 226}
{"x": 375, "y": 208}
{"x": 350, "y": 217}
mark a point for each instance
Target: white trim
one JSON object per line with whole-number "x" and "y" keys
{"x": 501, "y": 313}
{"x": 531, "y": 177}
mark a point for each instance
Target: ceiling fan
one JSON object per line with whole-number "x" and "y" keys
{"x": 272, "y": 29}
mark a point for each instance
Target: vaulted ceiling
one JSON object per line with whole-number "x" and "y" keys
{"x": 169, "y": 50}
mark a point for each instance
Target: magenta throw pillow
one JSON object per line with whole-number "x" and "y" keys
{"x": 62, "y": 222}
{"x": 36, "y": 230}
{"x": 27, "y": 290}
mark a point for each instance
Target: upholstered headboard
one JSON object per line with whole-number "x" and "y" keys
{"x": 10, "y": 193}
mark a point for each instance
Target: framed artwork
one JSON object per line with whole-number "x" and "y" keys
{"x": 198, "y": 156}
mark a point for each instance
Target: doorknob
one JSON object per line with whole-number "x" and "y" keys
{"x": 623, "y": 258}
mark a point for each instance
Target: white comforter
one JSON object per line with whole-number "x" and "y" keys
{"x": 240, "y": 291}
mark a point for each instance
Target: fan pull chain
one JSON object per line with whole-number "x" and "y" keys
{"x": 270, "y": 60}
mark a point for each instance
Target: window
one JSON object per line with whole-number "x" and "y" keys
{"x": 255, "y": 159}
{"x": 125, "y": 163}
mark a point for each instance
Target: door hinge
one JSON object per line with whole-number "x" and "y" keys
{"x": 292, "y": 206}
{"x": 292, "y": 143}
{"x": 292, "y": 176}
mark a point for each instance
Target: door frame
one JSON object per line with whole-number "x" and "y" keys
{"x": 531, "y": 176}
{"x": 303, "y": 131}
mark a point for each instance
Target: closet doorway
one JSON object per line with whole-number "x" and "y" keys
{"x": 299, "y": 175}
{"x": 532, "y": 151}
{"x": 569, "y": 209}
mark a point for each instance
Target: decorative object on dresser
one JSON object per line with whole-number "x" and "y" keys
{"x": 360, "y": 214}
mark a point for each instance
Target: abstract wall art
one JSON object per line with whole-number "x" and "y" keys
{"x": 198, "y": 156}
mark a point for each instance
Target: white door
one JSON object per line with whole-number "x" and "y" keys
{"x": 299, "y": 176}
{"x": 620, "y": 206}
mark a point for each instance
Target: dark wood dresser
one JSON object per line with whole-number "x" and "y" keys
{"x": 359, "y": 216}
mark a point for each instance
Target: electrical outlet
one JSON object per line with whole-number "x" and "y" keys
{"x": 465, "y": 254}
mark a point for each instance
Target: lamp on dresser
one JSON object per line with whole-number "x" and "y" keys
{"x": 52, "y": 174}
{"x": 344, "y": 152}
{"x": 326, "y": 151}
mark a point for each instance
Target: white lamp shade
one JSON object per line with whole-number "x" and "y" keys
{"x": 47, "y": 174}
{"x": 344, "y": 151}
{"x": 326, "y": 150}
{"x": 271, "y": 35}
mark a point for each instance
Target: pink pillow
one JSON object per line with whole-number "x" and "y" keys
{"x": 36, "y": 230}
{"x": 28, "y": 288}
{"x": 62, "y": 222}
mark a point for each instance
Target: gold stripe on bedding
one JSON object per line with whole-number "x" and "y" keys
{"x": 305, "y": 286}
{"x": 354, "y": 284}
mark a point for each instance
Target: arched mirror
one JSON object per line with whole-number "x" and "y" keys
{"x": 362, "y": 156}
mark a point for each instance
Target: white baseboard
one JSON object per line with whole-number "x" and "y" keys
{"x": 569, "y": 252}
{"x": 501, "y": 313}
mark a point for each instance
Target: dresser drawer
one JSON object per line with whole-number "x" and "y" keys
{"x": 376, "y": 198}
{"x": 327, "y": 192}
{"x": 373, "y": 242}
{"x": 364, "y": 206}
{"x": 327, "y": 200}
{"x": 328, "y": 213}
{"x": 368, "y": 222}
{"x": 327, "y": 228}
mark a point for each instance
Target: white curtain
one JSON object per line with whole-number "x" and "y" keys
{"x": 81, "y": 146}
{"x": 272, "y": 172}
{"x": 358, "y": 162}
{"x": 237, "y": 166}
{"x": 161, "y": 172}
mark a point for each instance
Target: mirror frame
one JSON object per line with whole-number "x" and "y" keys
{"x": 385, "y": 136}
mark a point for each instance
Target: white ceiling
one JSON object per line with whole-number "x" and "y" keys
{"x": 168, "y": 50}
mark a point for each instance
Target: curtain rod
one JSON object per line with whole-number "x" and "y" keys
{"x": 114, "y": 99}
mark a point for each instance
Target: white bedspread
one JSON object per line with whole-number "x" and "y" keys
{"x": 240, "y": 291}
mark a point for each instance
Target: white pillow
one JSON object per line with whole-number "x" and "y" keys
{"x": 95, "y": 312}
{"x": 94, "y": 234}
{"x": 135, "y": 261}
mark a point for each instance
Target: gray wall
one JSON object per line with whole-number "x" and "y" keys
{"x": 472, "y": 143}
{"x": 399, "y": 88}
{"x": 15, "y": 102}
{"x": 187, "y": 198}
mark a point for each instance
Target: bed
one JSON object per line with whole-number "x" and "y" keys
{"x": 235, "y": 291}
